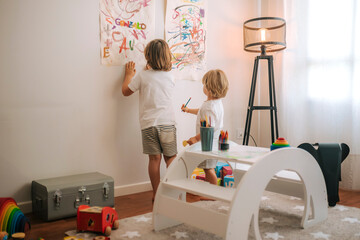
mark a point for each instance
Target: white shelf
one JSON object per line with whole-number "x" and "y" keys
{"x": 203, "y": 189}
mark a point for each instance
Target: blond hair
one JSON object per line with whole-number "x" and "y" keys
{"x": 158, "y": 56}
{"x": 216, "y": 82}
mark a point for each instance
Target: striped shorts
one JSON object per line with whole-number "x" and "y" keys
{"x": 159, "y": 139}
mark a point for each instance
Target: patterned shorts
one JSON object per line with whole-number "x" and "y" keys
{"x": 159, "y": 139}
{"x": 208, "y": 164}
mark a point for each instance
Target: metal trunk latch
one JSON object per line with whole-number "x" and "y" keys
{"x": 57, "y": 198}
{"x": 87, "y": 199}
{"x": 106, "y": 189}
{"x": 77, "y": 202}
{"x": 82, "y": 191}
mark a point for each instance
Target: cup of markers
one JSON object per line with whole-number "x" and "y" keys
{"x": 206, "y": 134}
{"x": 223, "y": 141}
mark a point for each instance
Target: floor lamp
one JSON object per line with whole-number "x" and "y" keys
{"x": 263, "y": 35}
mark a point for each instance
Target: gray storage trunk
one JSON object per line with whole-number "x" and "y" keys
{"x": 59, "y": 197}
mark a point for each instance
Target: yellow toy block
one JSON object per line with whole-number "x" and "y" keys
{"x": 197, "y": 172}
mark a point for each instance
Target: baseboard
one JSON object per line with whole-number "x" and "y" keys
{"x": 26, "y": 207}
{"x": 132, "y": 188}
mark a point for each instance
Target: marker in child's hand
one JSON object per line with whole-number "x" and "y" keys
{"x": 186, "y": 103}
{"x": 185, "y": 143}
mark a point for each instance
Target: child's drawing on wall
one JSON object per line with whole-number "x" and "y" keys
{"x": 126, "y": 26}
{"x": 186, "y": 35}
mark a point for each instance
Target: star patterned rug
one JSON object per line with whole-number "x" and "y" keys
{"x": 279, "y": 219}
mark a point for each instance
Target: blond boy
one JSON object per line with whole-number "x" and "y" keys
{"x": 215, "y": 87}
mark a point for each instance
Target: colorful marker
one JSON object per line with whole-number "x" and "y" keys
{"x": 187, "y": 102}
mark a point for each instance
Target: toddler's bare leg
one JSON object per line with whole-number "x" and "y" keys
{"x": 210, "y": 176}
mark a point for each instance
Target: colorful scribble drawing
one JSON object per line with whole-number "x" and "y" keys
{"x": 186, "y": 36}
{"x": 126, "y": 26}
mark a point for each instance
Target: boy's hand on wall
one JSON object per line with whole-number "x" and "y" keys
{"x": 130, "y": 69}
{"x": 129, "y": 74}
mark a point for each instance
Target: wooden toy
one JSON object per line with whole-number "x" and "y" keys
{"x": 200, "y": 177}
{"x": 219, "y": 182}
{"x": 72, "y": 238}
{"x": 18, "y": 236}
{"x": 229, "y": 181}
{"x": 3, "y": 235}
{"x": 226, "y": 170}
{"x": 196, "y": 172}
{"x": 12, "y": 220}
{"x": 279, "y": 143}
{"x": 218, "y": 168}
{"x": 97, "y": 219}
{"x": 101, "y": 238}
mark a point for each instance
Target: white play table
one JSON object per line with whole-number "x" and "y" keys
{"x": 266, "y": 171}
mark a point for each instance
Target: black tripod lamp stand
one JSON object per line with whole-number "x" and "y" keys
{"x": 263, "y": 35}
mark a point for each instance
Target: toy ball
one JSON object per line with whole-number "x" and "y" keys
{"x": 279, "y": 143}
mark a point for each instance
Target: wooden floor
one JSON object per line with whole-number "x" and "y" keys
{"x": 133, "y": 205}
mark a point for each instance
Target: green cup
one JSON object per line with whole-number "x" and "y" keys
{"x": 207, "y": 136}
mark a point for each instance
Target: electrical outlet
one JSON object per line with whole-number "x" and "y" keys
{"x": 239, "y": 133}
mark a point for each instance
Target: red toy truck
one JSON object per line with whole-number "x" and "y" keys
{"x": 97, "y": 219}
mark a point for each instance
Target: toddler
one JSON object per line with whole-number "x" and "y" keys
{"x": 215, "y": 87}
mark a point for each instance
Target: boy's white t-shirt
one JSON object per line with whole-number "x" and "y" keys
{"x": 215, "y": 110}
{"x": 156, "y": 90}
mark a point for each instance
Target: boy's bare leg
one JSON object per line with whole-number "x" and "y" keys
{"x": 168, "y": 160}
{"x": 154, "y": 171}
{"x": 210, "y": 176}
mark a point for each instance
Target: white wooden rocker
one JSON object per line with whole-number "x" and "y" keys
{"x": 171, "y": 208}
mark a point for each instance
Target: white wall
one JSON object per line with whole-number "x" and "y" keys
{"x": 62, "y": 113}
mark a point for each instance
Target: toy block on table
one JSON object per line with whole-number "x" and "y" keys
{"x": 97, "y": 219}
{"x": 229, "y": 181}
{"x": 197, "y": 172}
{"x": 218, "y": 168}
{"x": 12, "y": 220}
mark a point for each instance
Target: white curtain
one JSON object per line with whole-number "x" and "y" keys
{"x": 319, "y": 89}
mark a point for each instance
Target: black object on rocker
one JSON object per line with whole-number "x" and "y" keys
{"x": 329, "y": 156}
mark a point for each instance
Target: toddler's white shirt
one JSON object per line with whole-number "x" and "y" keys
{"x": 156, "y": 90}
{"x": 215, "y": 110}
